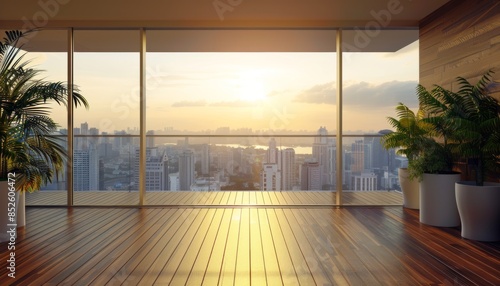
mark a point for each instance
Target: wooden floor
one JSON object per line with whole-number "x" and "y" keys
{"x": 244, "y": 246}
{"x": 223, "y": 198}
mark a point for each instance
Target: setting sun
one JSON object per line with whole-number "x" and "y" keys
{"x": 251, "y": 87}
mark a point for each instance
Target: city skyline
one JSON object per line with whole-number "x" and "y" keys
{"x": 112, "y": 164}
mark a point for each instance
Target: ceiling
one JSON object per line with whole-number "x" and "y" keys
{"x": 227, "y": 25}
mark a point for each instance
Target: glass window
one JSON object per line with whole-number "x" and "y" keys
{"x": 223, "y": 111}
{"x": 376, "y": 78}
{"x": 46, "y": 51}
{"x": 106, "y": 70}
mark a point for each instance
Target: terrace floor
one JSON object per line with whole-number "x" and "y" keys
{"x": 216, "y": 198}
{"x": 244, "y": 245}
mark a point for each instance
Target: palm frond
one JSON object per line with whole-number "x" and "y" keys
{"x": 26, "y": 142}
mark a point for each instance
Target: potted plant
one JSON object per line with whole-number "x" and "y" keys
{"x": 30, "y": 155}
{"x": 477, "y": 118}
{"x": 433, "y": 166}
{"x": 407, "y": 137}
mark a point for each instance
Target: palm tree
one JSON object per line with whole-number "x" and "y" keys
{"x": 28, "y": 147}
{"x": 409, "y": 135}
{"x": 477, "y": 122}
{"x": 467, "y": 121}
{"x": 438, "y": 105}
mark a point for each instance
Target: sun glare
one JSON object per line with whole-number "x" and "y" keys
{"x": 251, "y": 87}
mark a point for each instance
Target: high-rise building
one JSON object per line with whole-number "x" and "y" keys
{"x": 379, "y": 160}
{"x": 120, "y": 142}
{"x": 240, "y": 158}
{"x": 270, "y": 177}
{"x": 156, "y": 169}
{"x": 272, "y": 154}
{"x": 105, "y": 139}
{"x": 186, "y": 170}
{"x": 331, "y": 164}
{"x": 322, "y": 136}
{"x": 84, "y": 128}
{"x": 357, "y": 157}
{"x": 94, "y": 140}
{"x": 287, "y": 167}
{"x": 77, "y": 141}
{"x": 150, "y": 140}
{"x": 157, "y": 173}
{"x": 205, "y": 159}
{"x": 310, "y": 176}
{"x": 83, "y": 142}
{"x": 86, "y": 170}
{"x": 173, "y": 180}
{"x": 366, "y": 181}
{"x": 323, "y": 156}
{"x": 225, "y": 160}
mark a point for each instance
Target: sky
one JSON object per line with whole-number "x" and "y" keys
{"x": 262, "y": 91}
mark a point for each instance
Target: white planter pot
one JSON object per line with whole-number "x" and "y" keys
{"x": 438, "y": 206}
{"x": 5, "y": 224}
{"x": 410, "y": 189}
{"x": 479, "y": 208}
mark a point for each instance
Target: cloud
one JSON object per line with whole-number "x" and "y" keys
{"x": 363, "y": 94}
{"x": 189, "y": 103}
{"x": 321, "y": 93}
{"x": 382, "y": 95}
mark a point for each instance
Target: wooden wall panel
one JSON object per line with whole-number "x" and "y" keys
{"x": 460, "y": 39}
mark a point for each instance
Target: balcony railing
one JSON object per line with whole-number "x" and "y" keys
{"x": 192, "y": 169}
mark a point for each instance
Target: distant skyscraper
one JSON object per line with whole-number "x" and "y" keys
{"x": 120, "y": 142}
{"x": 105, "y": 150}
{"x": 331, "y": 163}
{"x": 287, "y": 168}
{"x": 83, "y": 142}
{"x": 186, "y": 170}
{"x": 381, "y": 157}
{"x": 368, "y": 154}
{"x": 272, "y": 155}
{"x": 105, "y": 139}
{"x": 78, "y": 145}
{"x": 86, "y": 170}
{"x": 310, "y": 176}
{"x": 322, "y": 136}
{"x": 241, "y": 161}
{"x": 156, "y": 169}
{"x": 205, "y": 159}
{"x": 150, "y": 141}
{"x": 84, "y": 128}
{"x": 174, "y": 181}
{"x": 94, "y": 141}
{"x": 270, "y": 178}
{"x": 225, "y": 160}
{"x": 321, "y": 155}
{"x": 357, "y": 157}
